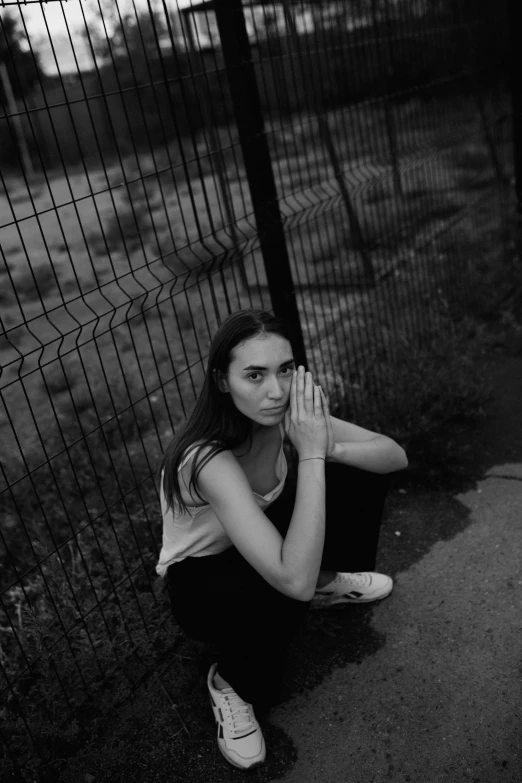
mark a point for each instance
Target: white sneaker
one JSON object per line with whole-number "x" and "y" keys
{"x": 240, "y": 738}
{"x": 356, "y": 588}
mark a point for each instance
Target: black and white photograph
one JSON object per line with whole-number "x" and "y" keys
{"x": 260, "y": 391}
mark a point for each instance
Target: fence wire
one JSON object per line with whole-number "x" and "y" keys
{"x": 131, "y": 224}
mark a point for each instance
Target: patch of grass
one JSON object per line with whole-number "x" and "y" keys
{"x": 496, "y": 284}
{"x": 98, "y": 666}
{"x": 60, "y": 376}
{"x": 424, "y": 388}
{"x": 134, "y": 223}
{"x": 39, "y": 280}
{"x": 89, "y": 609}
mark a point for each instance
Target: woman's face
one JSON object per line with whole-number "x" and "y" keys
{"x": 259, "y": 378}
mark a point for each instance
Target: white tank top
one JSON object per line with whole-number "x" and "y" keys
{"x": 199, "y": 532}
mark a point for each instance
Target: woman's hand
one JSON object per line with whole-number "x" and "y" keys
{"x": 330, "y": 449}
{"x": 305, "y": 422}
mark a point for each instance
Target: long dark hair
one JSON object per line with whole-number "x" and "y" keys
{"x": 215, "y": 420}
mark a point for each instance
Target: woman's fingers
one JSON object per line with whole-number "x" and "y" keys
{"x": 318, "y": 403}
{"x": 306, "y": 397}
{"x": 309, "y": 394}
{"x": 325, "y": 401}
{"x": 300, "y": 392}
{"x": 326, "y": 413}
{"x": 293, "y": 394}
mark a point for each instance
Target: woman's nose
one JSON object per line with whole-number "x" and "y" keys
{"x": 276, "y": 390}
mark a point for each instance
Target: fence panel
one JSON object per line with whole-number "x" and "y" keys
{"x": 390, "y": 139}
{"x": 127, "y": 235}
{"x": 131, "y": 225}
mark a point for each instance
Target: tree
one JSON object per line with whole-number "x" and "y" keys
{"x": 132, "y": 40}
{"x": 23, "y": 67}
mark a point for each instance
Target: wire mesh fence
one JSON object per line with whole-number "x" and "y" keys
{"x": 164, "y": 164}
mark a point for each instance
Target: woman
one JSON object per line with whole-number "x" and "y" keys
{"x": 242, "y": 575}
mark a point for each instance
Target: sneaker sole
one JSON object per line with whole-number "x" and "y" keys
{"x": 340, "y": 600}
{"x": 234, "y": 763}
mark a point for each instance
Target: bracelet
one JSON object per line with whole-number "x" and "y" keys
{"x": 307, "y": 458}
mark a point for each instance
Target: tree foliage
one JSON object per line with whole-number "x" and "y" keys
{"x": 135, "y": 43}
{"x": 22, "y": 64}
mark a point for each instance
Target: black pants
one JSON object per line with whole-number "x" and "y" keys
{"x": 222, "y": 600}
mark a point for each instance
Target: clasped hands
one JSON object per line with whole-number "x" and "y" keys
{"x": 331, "y": 446}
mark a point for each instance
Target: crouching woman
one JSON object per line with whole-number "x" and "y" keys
{"x": 246, "y": 550}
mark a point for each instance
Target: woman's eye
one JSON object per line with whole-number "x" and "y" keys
{"x": 255, "y": 375}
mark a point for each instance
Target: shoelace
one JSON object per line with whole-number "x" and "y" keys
{"x": 240, "y": 713}
{"x": 360, "y": 580}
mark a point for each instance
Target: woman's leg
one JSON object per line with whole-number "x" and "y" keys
{"x": 254, "y": 644}
{"x": 222, "y": 600}
{"x": 354, "y": 511}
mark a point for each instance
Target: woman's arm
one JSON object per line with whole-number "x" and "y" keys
{"x": 303, "y": 545}
{"x": 379, "y": 455}
{"x": 364, "y": 449}
{"x": 290, "y": 565}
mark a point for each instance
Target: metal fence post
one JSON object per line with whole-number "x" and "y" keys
{"x": 515, "y": 83}
{"x": 248, "y": 115}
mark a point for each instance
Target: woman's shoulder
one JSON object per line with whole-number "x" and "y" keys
{"x": 199, "y": 449}
{"x": 193, "y": 457}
